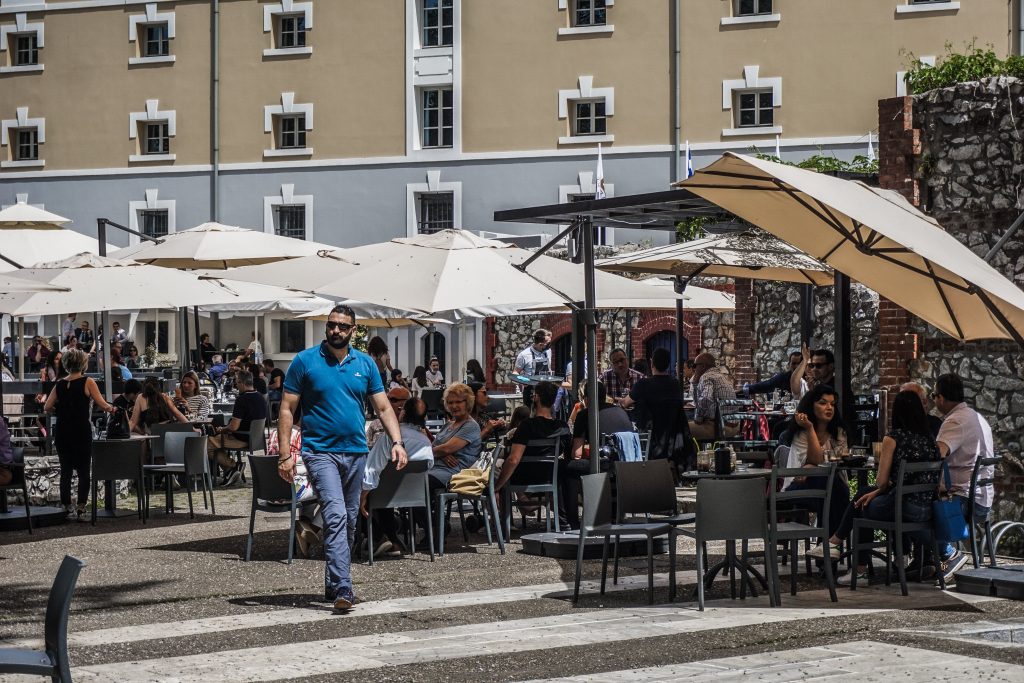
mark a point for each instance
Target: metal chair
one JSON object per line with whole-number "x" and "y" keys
{"x": 597, "y": 520}
{"x": 433, "y": 398}
{"x": 257, "y": 442}
{"x": 118, "y": 461}
{"x": 552, "y": 448}
{"x": 156, "y": 450}
{"x": 895, "y": 529}
{"x": 53, "y": 661}
{"x": 17, "y": 469}
{"x": 185, "y": 454}
{"x": 727, "y": 510}
{"x": 404, "y": 488}
{"x": 978, "y": 481}
{"x": 268, "y": 490}
{"x": 791, "y": 533}
{"x": 487, "y": 498}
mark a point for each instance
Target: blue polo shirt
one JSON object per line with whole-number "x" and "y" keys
{"x": 331, "y": 395}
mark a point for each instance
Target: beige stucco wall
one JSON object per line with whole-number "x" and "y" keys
{"x": 836, "y": 59}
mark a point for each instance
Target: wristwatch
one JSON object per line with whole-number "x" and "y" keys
{"x": 400, "y": 443}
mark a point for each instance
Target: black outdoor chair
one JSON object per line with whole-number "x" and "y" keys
{"x": 545, "y": 485}
{"x": 894, "y": 530}
{"x": 488, "y": 509}
{"x": 974, "y": 521}
{"x": 404, "y": 488}
{"x": 597, "y": 520}
{"x": 270, "y": 493}
{"x": 257, "y": 442}
{"x": 53, "y": 661}
{"x": 118, "y": 461}
{"x": 184, "y": 454}
{"x": 17, "y": 481}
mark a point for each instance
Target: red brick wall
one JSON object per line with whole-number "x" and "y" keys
{"x": 744, "y": 341}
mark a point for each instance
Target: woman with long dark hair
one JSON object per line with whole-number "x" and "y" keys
{"x": 152, "y": 407}
{"x": 53, "y": 368}
{"x": 475, "y": 372}
{"x": 910, "y": 440}
{"x": 419, "y": 381}
{"x": 378, "y": 350}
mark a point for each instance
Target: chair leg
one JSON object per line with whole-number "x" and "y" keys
{"x": 604, "y": 564}
{"x": 462, "y": 521}
{"x": 554, "y": 505}
{"x": 291, "y": 534}
{"x": 579, "y": 567}
{"x": 615, "y": 572}
{"x": 497, "y": 523}
{"x": 700, "y": 576}
{"x": 794, "y": 566}
{"x": 772, "y": 559}
{"x": 650, "y": 570}
{"x": 369, "y": 536}
{"x": 205, "y": 505}
{"x": 208, "y": 481}
{"x": 440, "y": 529}
{"x": 485, "y": 516}
{"x": 830, "y": 577}
{"x": 430, "y": 531}
{"x": 94, "y": 492}
{"x": 188, "y": 490}
{"x": 988, "y": 540}
{"x": 972, "y": 537}
{"x": 671, "y": 567}
{"x": 140, "y": 484}
{"x": 888, "y": 558}
{"x": 936, "y": 555}
{"x": 252, "y": 526}
{"x": 28, "y": 513}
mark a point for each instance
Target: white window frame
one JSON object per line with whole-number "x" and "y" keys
{"x": 21, "y": 120}
{"x": 287, "y": 107}
{"x": 165, "y": 140}
{"x": 737, "y": 94}
{"x": 432, "y": 186}
{"x": 585, "y": 91}
{"x": 20, "y": 26}
{"x": 152, "y": 202}
{"x": 420, "y": 27}
{"x": 431, "y": 68}
{"x": 585, "y": 185}
{"x": 287, "y": 197}
{"x": 751, "y": 81}
{"x": 570, "y": 29}
{"x": 925, "y": 6}
{"x": 271, "y": 15}
{"x": 151, "y": 16}
{"x": 421, "y": 119}
{"x": 153, "y": 114}
{"x": 737, "y": 19}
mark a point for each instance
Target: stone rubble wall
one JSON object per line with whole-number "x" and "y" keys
{"x": 42, "y": 474}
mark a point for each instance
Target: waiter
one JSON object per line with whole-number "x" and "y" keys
{"x": 534, "y": 360}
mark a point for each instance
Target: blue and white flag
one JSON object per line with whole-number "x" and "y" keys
{"x": 689, "y": 160}
{"x": 599, "y": 177}
{"x": 871, "y": 148}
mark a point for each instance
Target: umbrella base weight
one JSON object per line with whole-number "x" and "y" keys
{"x": 564, "y": 546}
{"x": 41, "y": 516}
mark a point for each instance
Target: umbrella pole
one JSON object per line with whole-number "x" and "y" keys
{"x": 2, "y": 374}
{"x": 184, "y": 340}
{"x": 680, "y": 287}
{"x": 199, "y": 355}
{"x": 105, "y": 354}
{"x": 806, "y": 313}
{"x": 19, "y": 351}
{"x": 842, "y": 347}
{"x": 590, "y": 319}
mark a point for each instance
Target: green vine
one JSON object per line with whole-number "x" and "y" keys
{"x": 824, "y": 163}
{"x": 692, "y": 228}
{"x": 973, "y": 64}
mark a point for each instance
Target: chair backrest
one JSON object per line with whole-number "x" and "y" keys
{"x": 731, "y": 509}
{"x": 258, "y": 435}
{"x": 544, "y": 449}
{"x": 174, "y": 446}
{"x": 904, "y": 489}
{"x": 432, "y": 399}
{"x": 57, "y": 607}
{"x": 157, "y": 445}
{"x": 116, "y": 460}
{"x": 758, "y": 457}
{"x": 267, "y": 484}
{"x": 644, "y": 487}
{"x": 781, "y": 455}
{"x": 402, "y": 488}
{"x": 733, "y": 410}
{"x": 195, "y": 454}
{"x": 979, "y": 480}
{"x": 819, "y": 487}
{"x": 597, "y": 501}
{"x": 497, "y": 407}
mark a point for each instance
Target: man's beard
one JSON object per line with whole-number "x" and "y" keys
{"x": 342, "y": 343}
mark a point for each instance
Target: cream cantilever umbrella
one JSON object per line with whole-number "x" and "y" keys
{"x": 697, "y": 299}
{"x": 375, "y": 316}
{"x": 29, "y": 235}
{"x": 750, "y": 254}
{"x": 875, "y": 237}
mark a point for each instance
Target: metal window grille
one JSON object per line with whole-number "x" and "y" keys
{"x": 746, "y": 8}
{"x": 437, "y": 212}
{"x": 590, "y": 118}
{"x": 291, "y": 221}
{"x": 157, "y": 138}
{"x": 601, "y": 232}
{"x": 157, "y": 42}
{"x": 26, "y": 50}
{"x": 438, "y": 118}
{"x": 438, "y": 23}
{"x": 28, "y": 145}
{"x": 590, "y": 13}
{"x": 293, "y": 132}
{"x": 292, "y": 32}
{"x": 755, "y": 109}
{"x": 153, "y": 222}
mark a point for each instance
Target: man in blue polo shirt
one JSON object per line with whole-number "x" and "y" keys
{"x": 331, "y": 382}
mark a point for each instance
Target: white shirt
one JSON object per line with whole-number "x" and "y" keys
{"x": 435, "y": 379}
{"x": 969, "y": 437}
{"x": 798, "y": 451}
{"x": 529, "y": 359}
{"x": 257, "y": 352}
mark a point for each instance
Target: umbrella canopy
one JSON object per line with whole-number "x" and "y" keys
{"x": 697, "y": 299}
{"x": 96, "y": 283}
{"x": 217, "y": 246}
{"x": 750, "y": 254}
{"x": 375, "y": 316}
{"x": 445, "y": 271}
{"x": 28, "y": 235}
{"x": 10, "y": 283}
{"x": 875, "y": 237}
{"x": 23, "y": 215}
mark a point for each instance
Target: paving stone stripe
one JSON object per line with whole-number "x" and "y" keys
{"x": 863, "y": 661}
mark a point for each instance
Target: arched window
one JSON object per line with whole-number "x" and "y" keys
{"x": 665, "y": 340}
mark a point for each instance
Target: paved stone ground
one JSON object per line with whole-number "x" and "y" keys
{"x": 172, "y": 600}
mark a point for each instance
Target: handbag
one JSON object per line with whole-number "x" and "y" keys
{"x": 117, "y": 425}
{"x": 469, "y": 482}
{"x": 948, "y": 521}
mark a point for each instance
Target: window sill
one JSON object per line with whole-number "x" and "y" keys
{"x": 24, "y": 69}
{"x": 752, "y": 19}
{"x": 162, "y": 59}
{"x": 288, "y": 51}
{"x": 930, "y": 7}
{"x": 585, "y": 139}
{"x": 27, "y": 163}
{"x": 585, "y": 30}
{"x": 300, "y": 152}
{"x": 752, "y": 130}
{"x": 150, "y": 157}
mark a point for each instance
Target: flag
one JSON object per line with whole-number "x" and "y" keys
{"x": 871, "y": 148}
{"x": 778, "y": 149}
{"x": 689, "y": 160}
{"x": 599, "y": 177}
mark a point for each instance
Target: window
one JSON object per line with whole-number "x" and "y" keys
{"x": 590, "y": 13}
{"x": 437, "y": 212}
{"x": 291, "y": 31}
{"x": 156, "y": 335}
{"x": 26, "y": 49}
{"x": 438, "y": 115}
{"x": 589, "y": 118}
{"x": 438, "y": 23}
{"x": 156, "y": 138}
{"x": 748, "y": 8}
{"x": 754, "y": 109}
{"x": 291, "y": 132}
{"x": 929, "y": 2}
{"x": 27, "y": 147}
{"x": 157, "y": 41}
{"x": 601, "y": 232}
{"x": 292, "y": 335}
{"x": 154, "y": 222}
{"x": 290, "y": 220}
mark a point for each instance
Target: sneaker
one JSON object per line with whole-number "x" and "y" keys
{"x": 819, "y": 551}
{"x": 954, "y": 564}
{"x": 83, "y": 516}
{"x": 345, "y": 600}
{"x": 863, "y": 578}
{"x": 70, "y": 513}
{"x": 233, "y": 477}
{"x": 384, "y": 548}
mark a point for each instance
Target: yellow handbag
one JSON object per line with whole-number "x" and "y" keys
{"x": 469, "y": 482}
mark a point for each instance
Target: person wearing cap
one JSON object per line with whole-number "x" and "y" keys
{"x": 397, "y": 397}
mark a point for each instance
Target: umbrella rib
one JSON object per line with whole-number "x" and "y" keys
{"x": 734, "y": 174}
{"x": 835, "y": 225}
{"x": 919, "y": 271}
{"x": 712, "y": 186}
{"x": 875, "y": 238}
{"x": 994, "y": 310}
{"x": 831, "y": 251}
{"x": 945, "y": 300}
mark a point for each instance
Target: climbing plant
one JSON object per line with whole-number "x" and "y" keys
{"x": 973, "y": 64}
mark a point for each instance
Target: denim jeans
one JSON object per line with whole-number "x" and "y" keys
{"x": 980, "y": 512}
{"x": 338, "y": 478}
{"x": 840, "y": 496}
{"x": 883, "y": 508}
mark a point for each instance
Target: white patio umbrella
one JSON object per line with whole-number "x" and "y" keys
{"x": 375, "y": 316}
{"x": 875, "y": 237}
{"x": 11, "y": 283}
{"x": 30, "y": 235}
{"x": 697, "y": 299}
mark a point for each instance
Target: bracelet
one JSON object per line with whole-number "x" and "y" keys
{"x": 282, "y": 461}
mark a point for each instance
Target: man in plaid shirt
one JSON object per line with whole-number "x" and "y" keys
{"x": 710, "y": 387}
{"x": 619, "y": 378}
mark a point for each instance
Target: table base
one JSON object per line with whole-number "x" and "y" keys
{"x": 117, "y": 512}
{"x": 565, "y": 546}
{"x": 47, "y": 515}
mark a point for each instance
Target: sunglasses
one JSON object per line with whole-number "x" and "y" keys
{"x": 816, "y": 365}
{"x": 344, "y": 327}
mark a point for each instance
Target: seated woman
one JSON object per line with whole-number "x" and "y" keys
{"x": 490, "y": 426}
{"x": 457, "y": 445}
{"x": 909, "y": 441}
{"x": 188, "y": 399}
{"x": 817, "y": 427}
{"x": 152, "y": 407}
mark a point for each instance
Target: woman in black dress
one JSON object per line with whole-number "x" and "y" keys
{"x": 71, "y": 398}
